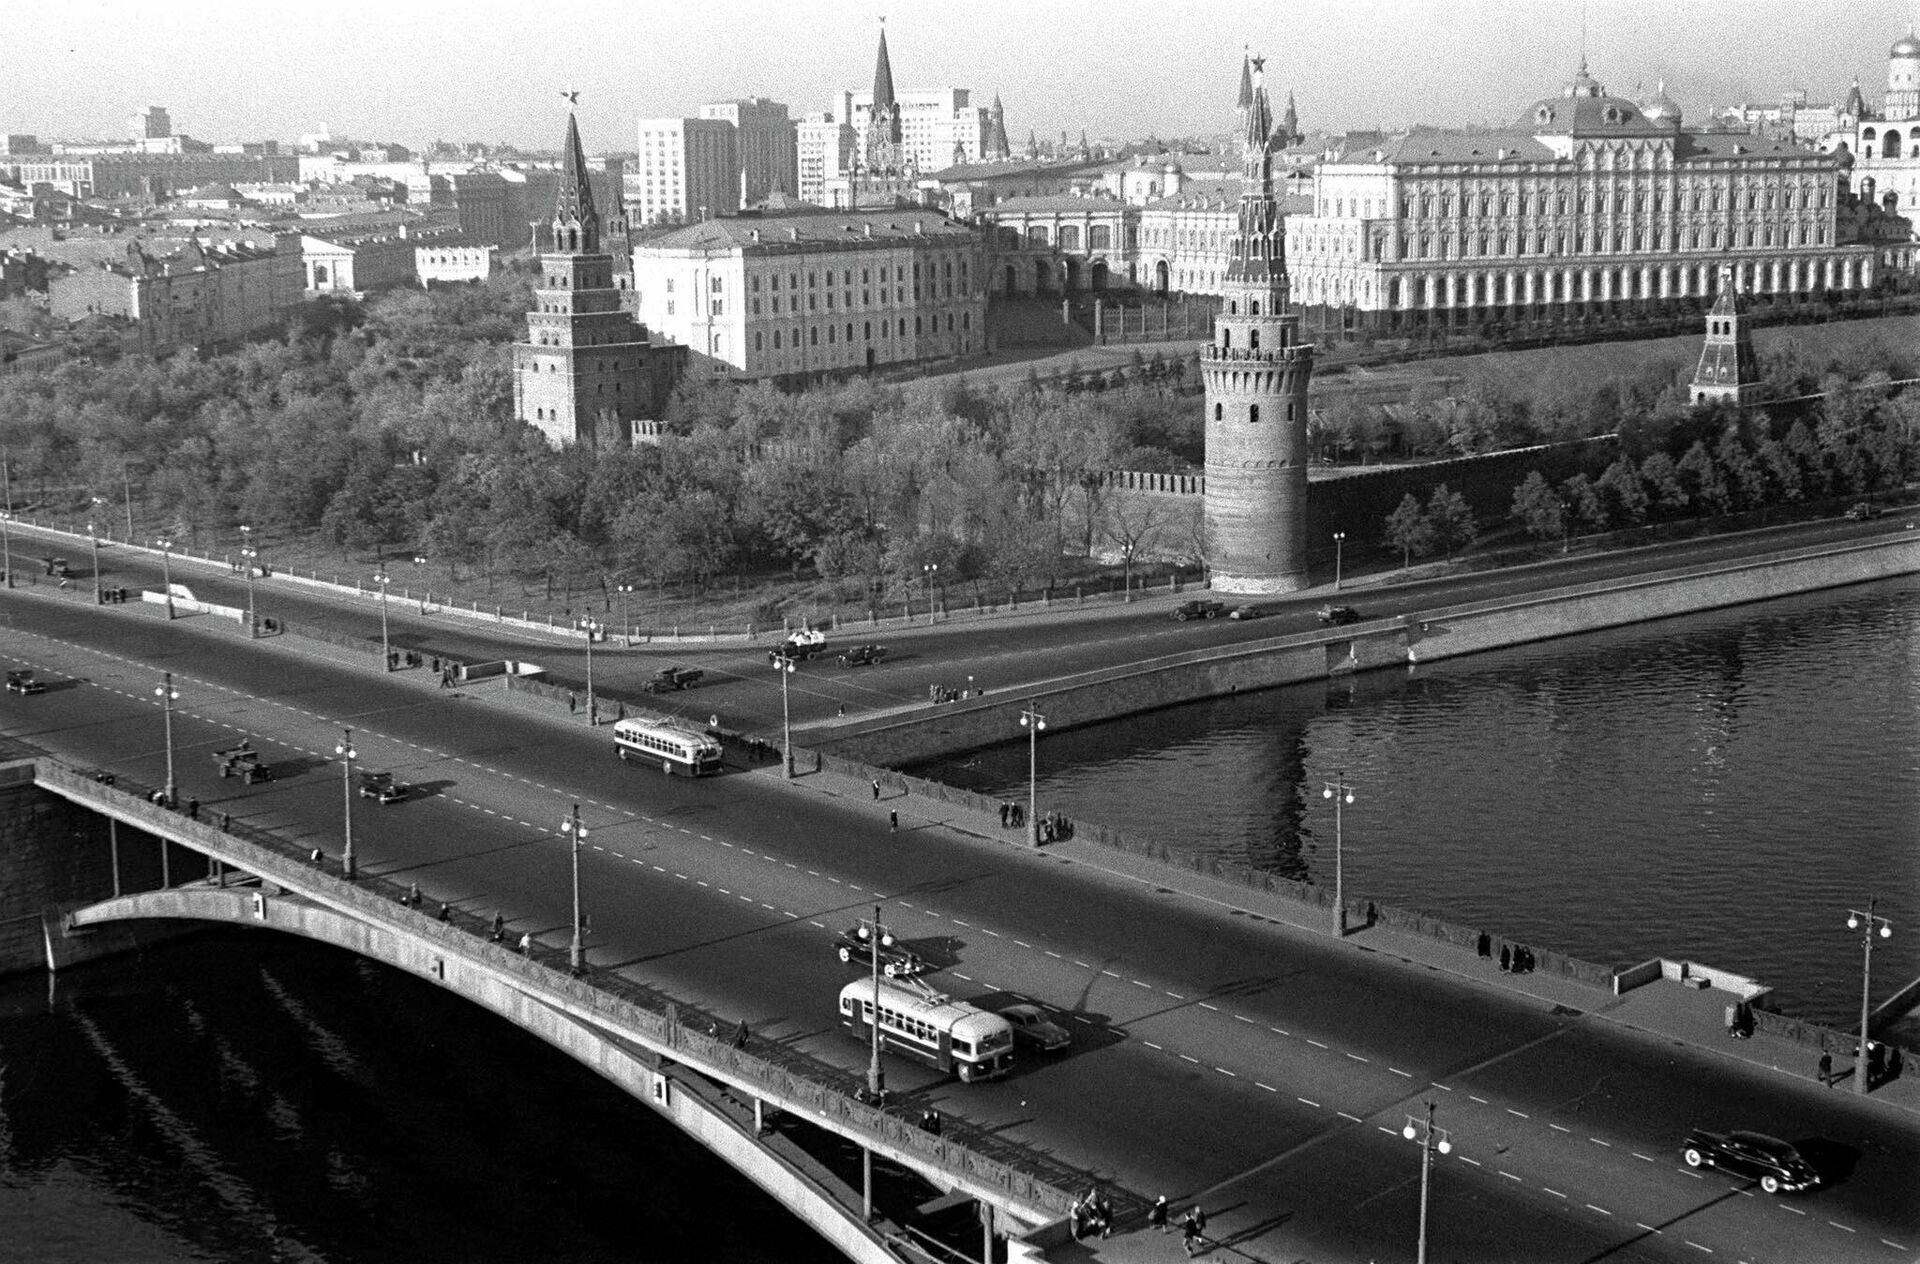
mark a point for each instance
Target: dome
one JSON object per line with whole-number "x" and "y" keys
{"x": 1661, "y": 108}
{"x": 1905, "y": 47}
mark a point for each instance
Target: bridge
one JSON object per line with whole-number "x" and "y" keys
{"x": 653, "y": 1048}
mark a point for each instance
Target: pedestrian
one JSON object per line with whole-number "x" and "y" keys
{"x": 413, "y": 895}
{"x": 315, "y": 857}
{"x": 1506, "y": 959}
{"x": 446, "y": 911}
{"x": 593, "y": 713}
{"x": 1003, "y": 814}
{"x": 436, "y": 664}
{"x": 741, "y": 1035}
{"x": 573, "y": 705}
{"x": 499, "y": 927}
{"x": 526, "y": 944}
{"x": 1826, "y": 1069}
{"x": 1485, "y": 945}
{"x": 620, "y": 712}
{"x": 1157, "y": 1214}
{"x": 193, "y": 809}
{"x": 1190, "y": 1230}
{"x": 1102, "y": 1213}
{"x": 893, "y": 822}
{"x": 841, "y": 711}
{"x": 226, "y": 822}
{"x": 876, "y": 789}
{"x": 446, "y": 678}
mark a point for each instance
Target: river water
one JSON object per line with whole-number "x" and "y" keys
{"x": 1722, "y": 787}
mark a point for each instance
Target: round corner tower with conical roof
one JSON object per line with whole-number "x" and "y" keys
{"x": 1256, "y": 370}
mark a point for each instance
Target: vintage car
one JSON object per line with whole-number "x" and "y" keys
{"x": 242, "y": 761}
{"x": 862, "y": 655}
{"x": 855, "y": 944}
{"x": 792, "y": 652}
{"x": 382, "y": 786}
{"x": 668, "y": 679}
{"x": 1245, "y": 612}
{"x": 1774, "y": 1163}
{"x": 1199, "y": 608}
{"x": 23, "y": 681}
{"x": 1338, "y": 615}
{"x": 1031, "y": 1026}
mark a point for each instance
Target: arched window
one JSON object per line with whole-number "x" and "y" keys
{"x": 1890, "y": 147}
{"x": 1219, "y": 412}
{"x": 1253, "y": 414}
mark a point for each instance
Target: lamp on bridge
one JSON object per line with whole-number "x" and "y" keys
{"x": 785, "y": 667}
{"x": 928, "y": 571}
{"x": 420, "y": 559}
{"x": 1430, "y": 1139}
{"x": 166, "y": 570}
{"x": 576, "y": 833}
{"x": 1341, "y": 793}
{"x": 167, "y": 695}
{"x": 344, "y": 749}
{"x": 93, "y": 544}
{"x": 1868, "y": 923}
{"x": 6, "y": 544}
{"x": 248, "y": 555}
{"x": 386, "y": 648}
{"x": 1033, "y": 721}
{"x": 1339, "y": 539}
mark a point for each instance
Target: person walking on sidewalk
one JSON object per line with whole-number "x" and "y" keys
{"x": 1157, "y": 1214}
{"x": 876, "y": 789}
{"x": 893, "y": 822}
{"x": 1826, "y": 1069}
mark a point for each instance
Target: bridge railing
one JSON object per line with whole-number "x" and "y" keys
{"x": 780, "y": 1075}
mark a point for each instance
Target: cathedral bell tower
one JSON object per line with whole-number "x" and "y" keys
{"x": 1256, "y": 372}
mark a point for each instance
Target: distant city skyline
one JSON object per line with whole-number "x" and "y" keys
{"x": 413, "y": 71}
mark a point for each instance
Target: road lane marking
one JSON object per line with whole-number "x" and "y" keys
{"x": 1138, "y": 983}
{"x": 958, "y": 922}
{"x": 1270, "y": 1088}
{"x": 1641, "y": 1224}
{"x": 1023, "y": 943}
{"x": 1083, "y": 965}
{"x": 1224, "y": 1071}
{"x": 1214, "y": 1008}
{"x": 722, "y": 890}
{"x": 1795, "y": 1210}
{"x": 1242, "y": 1018}
{"x": 1895, "y": 1245}
{"x": 994, "y": 933}
{"x": 1602, "y": 1210}
{"x": 812, "y": 922}
{"x": 1472, "y": 1098}
{"x": 1835, "y": 1223}
{"x": 1464, "y": 1159}
{"x": 1558, "y": 1128}
{"x": 1556, "y": 1193}
{"x": 1109, "y": 973}
{"x": 1315, "y": 1105}
{"x": 1185, "y": 1058}
{"x": 1149, "y": 1044}
{"x": 1644, "y": 1158}
{"x": 1599, "y": 1142}
{"x": 1383, "y": 1128}
{"x": 1315, "y": 1043}
{"x": 1356, "y": 1057}
{"x": 1279, "y": 1031}
{"x": 1398, "y": 1071}
{"x": 1510, "y": 1176}
{"x": 1696, "y": 1246}
{"x": 1175, "y": 995}
{"x": 1512, "y": 1111}
{"x": 1344, "y": 1115}
{"x": 1442, "y": 1087}
{"x": 967, "y": 977}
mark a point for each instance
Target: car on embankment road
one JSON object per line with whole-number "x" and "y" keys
{"x": 669, "y": 679}
{"x": 854, "y": 945}
{"x": 1774, "y": 1163}
{"x": 382, "y": 786}
{"x": 24, "y": 682}
{"x": 862, "y": 655}
{"x": 1199, "y": 608}
{"x": 1032, "y": 1027}
{"x": 1337, "y": 615}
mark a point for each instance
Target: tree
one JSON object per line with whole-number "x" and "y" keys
{"x": 1746, "y": 482}
{"x": 1585, "y": 508}
{"x": 1132, "y": 524}
{"x": 1408, "y": 529}
{"x": 1452, "y": 519}
{"x": 1539, "y": 509}
{"x": 1703, "y": 479}
{"x": 1662, "y": 480}
{"x": 1626, "y": 497}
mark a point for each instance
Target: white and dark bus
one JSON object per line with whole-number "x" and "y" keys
{"x": 959, "y": 1038}
{"x": 674, "y": 749}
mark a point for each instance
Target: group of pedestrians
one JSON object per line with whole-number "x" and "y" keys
{"x": 407, "y": 658}
{"x": 1514, "y": 958}
{"x": 1091, "y": 1214}
{"x": 946, "y": 693}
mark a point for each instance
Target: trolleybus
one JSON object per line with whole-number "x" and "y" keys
{"x": 673, "y": 748}
{"x": 959, "y": 1038}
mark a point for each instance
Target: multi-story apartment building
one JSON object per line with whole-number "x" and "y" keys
{"x": 828, "y": 146}
{"x": 688, "y": 169}
{"x": 815, "y": 293}
{"x": 767, "y": 143}
{"x": 207, "y": 295}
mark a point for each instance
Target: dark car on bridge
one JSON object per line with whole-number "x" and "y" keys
{"x": 855, "y": 944}
{"x": 1032, "y": 1027}
{"x": 862, "y": 655}
{"x": 242, "y": 761}
{"x": 1199, "y": 608}
{"x": 1337, "y": 615}
{"x": 791, "y": 652}
{"x": 1774, "y": 1163}
{"x": 381, "y": 786}
{"x": 25, "y": 682}
{"x": 668, "y": 679}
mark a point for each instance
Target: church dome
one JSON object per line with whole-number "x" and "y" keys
{"x": 1661, "y": 108}
{"x": 1905, "y": 47}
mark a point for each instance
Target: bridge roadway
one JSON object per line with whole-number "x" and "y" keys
{"x": 1219, "y": 1054}
{"x": 994, "y": 653}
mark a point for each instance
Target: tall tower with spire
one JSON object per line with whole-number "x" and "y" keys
{"x": 1256, "y": 371}
{"x": 586, "y": 370}
{"x": 997, "y": 146}
{"x": 1729, "y": 370}
{"x": 883, "y": 152}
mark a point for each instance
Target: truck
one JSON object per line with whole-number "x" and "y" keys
{"x": 669, "y": 679}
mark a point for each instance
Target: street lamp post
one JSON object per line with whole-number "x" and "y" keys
{"x": 576, "y": 833}
{"x": 420, "y": 559}
{"x": 626, "y": 616}
{"x": 247, "y": 555}
{"x": 6, "y": 543}
{"x": 344, "y": 749}
{"x": 1424, "y": 1132}
{"x": 1033, "y": 721}
{"x": 785, "y": 667}
{"x": 386, "y": 647}
{"x": 592, "y": 629}
{"x": 876, "y": 1078}
{"x": 928, "y": 571}
{"x": 1341, "y": 793}
{"x": 166, "y": 570}
{"x": 93, "y": 544}
{"x": 1868, "y": 924}
{"x": 167, "y": 694}
{"x": 1339, "y": 540}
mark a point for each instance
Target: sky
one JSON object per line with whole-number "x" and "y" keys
{"x": 413, "y": 71}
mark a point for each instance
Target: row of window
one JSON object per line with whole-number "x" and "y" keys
{"x": 792, "y": 336}
{"x": 1693, "y": 198}
{"x": 1620, "y": 241}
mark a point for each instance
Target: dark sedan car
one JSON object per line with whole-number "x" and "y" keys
{"x": 1774, "y": 1163}
{"x": 855, "y": 944}
{"x": 1338, "y": 615}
